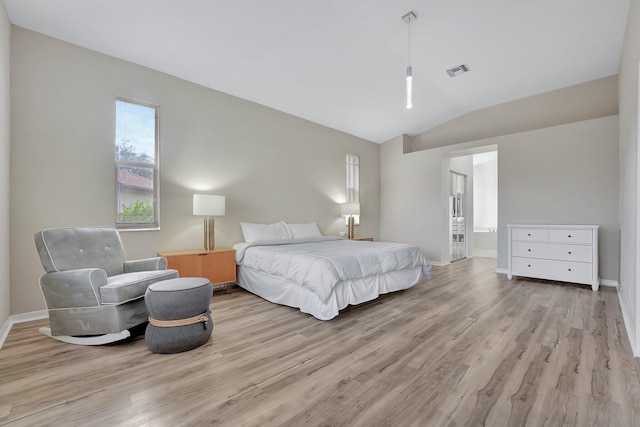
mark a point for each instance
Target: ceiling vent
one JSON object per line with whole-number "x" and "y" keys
{"x": 456, "y": 71}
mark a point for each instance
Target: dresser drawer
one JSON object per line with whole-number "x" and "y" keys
{"x": 581, "y": 253}
{"x": 530, "y": 234}
{"x": 560, "y": 252}
{"x": 566, "y": 271}
{"x": 582, "y": 237}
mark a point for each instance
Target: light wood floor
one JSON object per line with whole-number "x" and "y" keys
{"x": 466, "y": 348}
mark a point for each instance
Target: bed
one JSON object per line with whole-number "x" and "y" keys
{"x": 321, "y": 275}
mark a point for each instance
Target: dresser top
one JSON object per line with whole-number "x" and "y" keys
{"x": 553, "y": 226}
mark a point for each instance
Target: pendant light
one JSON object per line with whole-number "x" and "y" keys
{"x": 409, "y": 18}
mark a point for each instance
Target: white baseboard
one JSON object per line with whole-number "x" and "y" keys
{"x": 485, "y": 253}
{"x": 19, "y": 318}
{"x": 4, "y": 331}
{"x": 28, "y": 317}
{"x": 628, "y": 325}
{"x": 609, "y": 283}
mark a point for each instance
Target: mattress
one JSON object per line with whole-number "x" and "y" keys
{"x": 323, "y": 275}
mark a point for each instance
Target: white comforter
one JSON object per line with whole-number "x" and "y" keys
{"x": 320, "y": 263}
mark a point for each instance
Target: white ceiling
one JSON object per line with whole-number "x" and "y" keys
{"x": 341, "y": 63}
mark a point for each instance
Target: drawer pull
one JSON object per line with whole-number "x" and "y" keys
{"x": 569, "y": 269}
{"x": 529, "y": 250}
{"x": 569, "y": 236}
{"x": 569, "y": 252}
{"x": 529, "y": 234}
{"x": 528, "y": 265}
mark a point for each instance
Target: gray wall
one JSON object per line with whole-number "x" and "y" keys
{"x": 563, "y": 174}
{"x": 567, "y": 105}
{"x": 270, "y": 166}
{"x": 414, "y": 196}
{"x": 5, "y": 32}
{"x": 486, "y": 194}
{"x": 411, "y": 194}
{"x": 628, "y": 177}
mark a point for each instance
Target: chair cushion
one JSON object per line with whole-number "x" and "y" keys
{"x": 130, "y": 286}
{"x": 63, "y": 249}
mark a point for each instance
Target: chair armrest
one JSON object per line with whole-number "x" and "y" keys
{"x": 73, "y": 288}
{"x": 148, "y": 264}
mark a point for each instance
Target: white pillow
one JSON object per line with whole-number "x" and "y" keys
{"x": 304, "y": 230}
{"x": 275, "y": 231}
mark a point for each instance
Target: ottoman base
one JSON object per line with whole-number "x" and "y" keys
{"x": 179, "y": 316}
{"x": 176, "y": 339}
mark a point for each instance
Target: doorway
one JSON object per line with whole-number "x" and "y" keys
{"x": 457, "y": 216}
{"x": 470, "y": 178}
{"x": 485, "y": 204}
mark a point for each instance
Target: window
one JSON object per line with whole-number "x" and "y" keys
{"x": 137, "y": 178}
{"x": 352, "y": 190}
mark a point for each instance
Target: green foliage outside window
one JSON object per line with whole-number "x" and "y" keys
{"x": 136, "y": 158}
{"x": 138, "y": 212}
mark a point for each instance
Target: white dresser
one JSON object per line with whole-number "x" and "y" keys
{"x": 566, "y": 253}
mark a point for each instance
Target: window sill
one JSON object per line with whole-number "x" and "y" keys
{"x": 126, "y": 230}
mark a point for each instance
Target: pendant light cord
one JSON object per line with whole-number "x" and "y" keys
{"x": 409, "y": 43}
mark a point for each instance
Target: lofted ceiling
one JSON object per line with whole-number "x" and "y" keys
{"x": 341, "y": 63}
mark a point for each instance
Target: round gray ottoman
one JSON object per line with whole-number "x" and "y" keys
{"x": 179, "y": 315}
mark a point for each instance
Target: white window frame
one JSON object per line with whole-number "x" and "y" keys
{"x": 352, "y": 182}
{"x": 155, "y": 167}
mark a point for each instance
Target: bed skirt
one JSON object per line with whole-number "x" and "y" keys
{"x": 348, "y": 292}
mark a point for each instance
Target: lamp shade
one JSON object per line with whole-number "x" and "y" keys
{"x": 350, "y": 208}
{"x": 208, "y": 205}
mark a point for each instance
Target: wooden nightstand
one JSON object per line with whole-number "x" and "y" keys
{"x": 362, "y": 239}
{"x": 218, "y": 265}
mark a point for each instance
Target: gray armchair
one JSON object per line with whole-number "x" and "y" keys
{"x": 93, "y": 295}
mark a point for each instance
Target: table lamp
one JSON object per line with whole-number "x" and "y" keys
{"x": 209, "y": 206}
{"x": 349, "y": 209}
